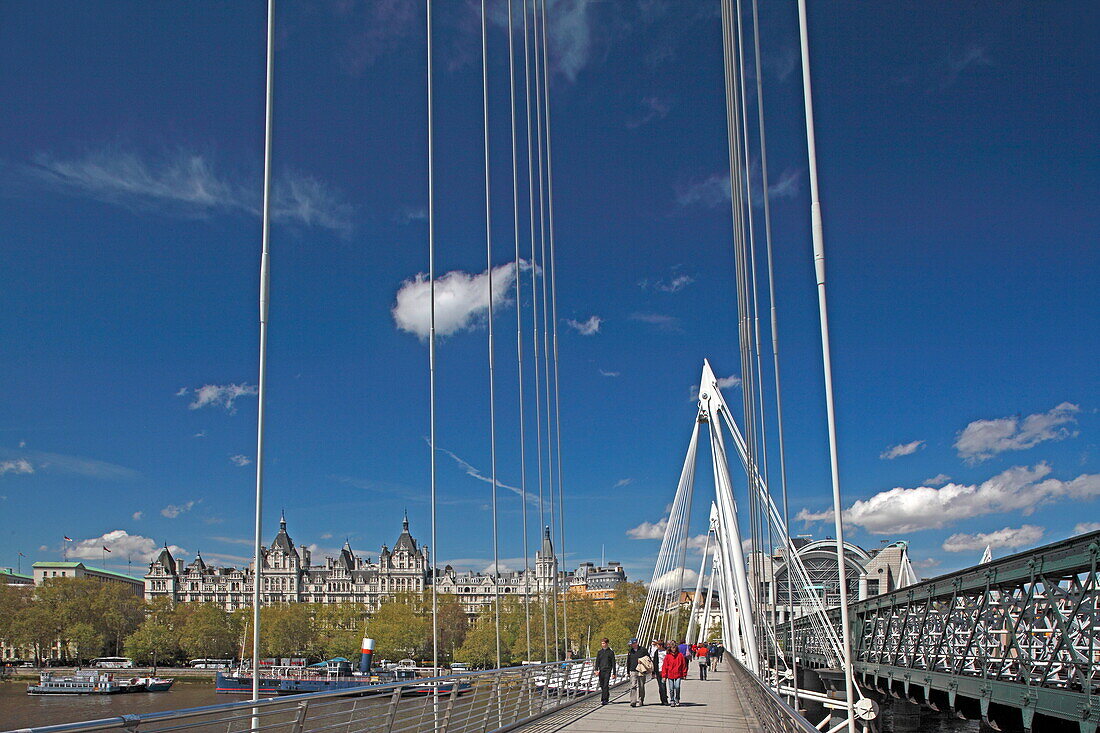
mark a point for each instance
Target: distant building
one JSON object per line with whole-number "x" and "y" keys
{"x": 476, "y": 591}
{"x": 869, "y": 573}
{"x": 44, "y": 571}
{"x": 597, "y": 582}
{"x": 8, "y": 576}
{"x": 290, "y": 577}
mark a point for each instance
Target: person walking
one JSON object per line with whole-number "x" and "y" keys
{"x": 674, "y": 670}
{"x": 704, "y": 660}
{"x": 685, "y": 650}
{"x": 657, "y": 654}
{"x": 639, "y": 664}
{"x": 605, "y": 665}
{"x": 719, "y": 655}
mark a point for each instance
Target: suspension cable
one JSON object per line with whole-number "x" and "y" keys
{"x": 527, "y": 69}
{"x": 774, "y": 324}
{"x": 431, "y": 343}
{"x": 519, "y": 337}
{"x": 540, "y": 73}
{"x": 489, "y": 274}
{"x": 554, "y": 320}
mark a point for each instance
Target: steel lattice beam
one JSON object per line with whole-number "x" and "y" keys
{"x": 1023, "y": 632}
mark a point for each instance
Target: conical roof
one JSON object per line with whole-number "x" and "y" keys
{"x": 405, "y": 541}
{"x": 282, "y": 540}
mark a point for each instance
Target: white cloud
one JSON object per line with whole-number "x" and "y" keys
{"x": 605, "y": 373}
{"x": 240, "y": 460}
{"x": 137, "y": 516}
{"x": 648, "y": 530}
{"x": 1085, "y": 527}
{"x": 697, "y": 543}
{"x": 623, "y": 482}
{"x": 326, "y": 535}
{"x": 1010, "y": 537}
{"x": 927, "y": 563}
{"x": 22, "y": 444}
{"x": 502, "y": 565}
{"x": 187, "y": 184}
{"x": 19, "y": 465}
{"x": 586, "y": 328}
{"x": 174, "y": 510}
{"x": 901, "y": 449}
{"x": 674, "y": 285}
{"x": 983, "y": 439}
{"x": 121, "y": 544}
{"x": 685, "y": 578}
{"x": 938, "y": 480}
{"x": 461, "y": 299}
{"x": 1018, "y": 489}
{"x": 218, "y": 395}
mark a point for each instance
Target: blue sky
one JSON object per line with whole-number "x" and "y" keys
{"x": 957, "y": 148}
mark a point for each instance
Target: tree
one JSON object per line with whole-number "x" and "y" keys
{"x": 36, "y": 626}
{"x": 398, "y": 630}
{"x": 480, "y": 646}
{"x": 288, "y": 630}
{"x": 338, "y": 629}
{"x": 13, "y": 599}
{"x": 84, "y": 641}
{"x": 208, "y": 631}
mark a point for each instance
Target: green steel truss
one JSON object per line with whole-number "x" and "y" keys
{"x": 1022, "y": 632}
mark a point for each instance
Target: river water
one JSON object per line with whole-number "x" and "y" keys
{"x": 20, "y": 710}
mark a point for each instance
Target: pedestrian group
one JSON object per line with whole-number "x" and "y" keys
{"x": 667, "y": 662}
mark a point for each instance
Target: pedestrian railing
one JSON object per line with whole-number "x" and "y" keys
{"x": 473, "y": 702}
{"x": 773, "y": 713}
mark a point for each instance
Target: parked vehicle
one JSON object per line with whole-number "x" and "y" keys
{"x": 210, "y": 663}
{"x": 112, "y": 662}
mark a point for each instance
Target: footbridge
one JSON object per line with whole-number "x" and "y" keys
{"x": 1012, "y": 642}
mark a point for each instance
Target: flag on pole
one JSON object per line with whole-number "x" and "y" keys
{"x": 21, "y": 555}
{"x": 68, "y": 539}
{"x": 108, "y": 549}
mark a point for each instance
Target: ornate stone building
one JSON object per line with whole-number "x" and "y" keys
{"x": 289, "y": 575}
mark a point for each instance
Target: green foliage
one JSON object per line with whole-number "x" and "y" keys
{"x": 401, "y": 627}
{"x": 85, "y": 642}
{"x": 206, "y": 631}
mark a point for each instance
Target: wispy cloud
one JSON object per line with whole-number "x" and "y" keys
{"x": 240, "y": 460}
{"x": 958, "y": 61}
{"x": 72, "y": 465}
{"x": 218, "y": 395}
{"x": 589, "y": 327}
{"x": 409, "y": 214}
{"x": 652, "y": 108}
{"x": 19, "y": 465}
{"x": 371, "y": 29}
{"x": 187, "y": 184}
{"x": 174, "y": 510}
{"x": 983, "y": 439}
{"x": 136, "y": 516}
{"x": 661, "y": 321}
{"x": 473, "y": 472}
{"x": 1083, "y": 527}
{"x": 1011, "y": 537}
{"x": 121, "y": 544}
{"x": 901, "y": 449}
{"x": 938, "y": 480}
{"x": 1018, "y": 489}
{"x": 234, "y": 540}
{"x": 714, "y": 190}
{"x": 623, "y": 482}
{"x": 605, "y": 373}
{"x": 461, "y": 300}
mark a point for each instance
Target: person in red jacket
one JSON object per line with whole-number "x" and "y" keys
{"x": 700, "y": 651}
{"x": 674, "y": 669}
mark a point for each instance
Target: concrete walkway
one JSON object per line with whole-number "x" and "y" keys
{"x": 714, "y": 706}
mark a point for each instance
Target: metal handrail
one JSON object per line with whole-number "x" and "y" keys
{"x": 772, "y": 712}
{"x": 468, "y": 702}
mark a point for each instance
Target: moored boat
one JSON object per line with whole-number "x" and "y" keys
{"x": 77, "y": 683}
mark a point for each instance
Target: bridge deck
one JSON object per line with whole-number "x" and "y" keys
{"x": 714, "y": 706}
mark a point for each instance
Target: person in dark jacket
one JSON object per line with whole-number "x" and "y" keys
{"x": 605, "y": 665}
{"x": 637, "y": 679}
